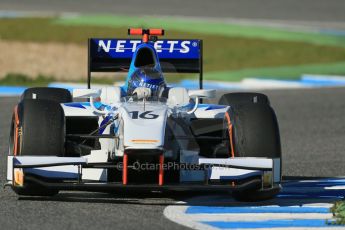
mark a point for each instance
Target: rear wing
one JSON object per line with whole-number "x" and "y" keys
{"x": 113, "y": 55}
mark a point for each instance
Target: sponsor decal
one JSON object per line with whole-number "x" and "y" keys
{"x": 124, "y": 48}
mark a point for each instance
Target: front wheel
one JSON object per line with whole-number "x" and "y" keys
{"x": 38, "y": 129}
{"x": 253, "y": 132}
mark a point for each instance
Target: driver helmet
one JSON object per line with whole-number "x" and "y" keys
{"x": 148, "y": 78}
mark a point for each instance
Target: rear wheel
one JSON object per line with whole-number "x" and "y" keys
{"x": 253, "y": 131}
{"x": 38, "y": 128}
{"x": 53, "y": 94}
{"x": 240, "y": 98}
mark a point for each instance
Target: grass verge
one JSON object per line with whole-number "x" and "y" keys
{"x": 338, "y": 211}
{"x": 17, "y": 79}
{"x": 285, "y": 72}
{"x": 221, "y": 53}
{"x": 282, "y": 72}
{"x": 205, "y": 27}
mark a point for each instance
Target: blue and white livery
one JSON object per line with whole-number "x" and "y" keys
{"x": 147, "y": 136}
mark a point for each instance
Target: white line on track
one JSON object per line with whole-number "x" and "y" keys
{"x": 297, "y": 204}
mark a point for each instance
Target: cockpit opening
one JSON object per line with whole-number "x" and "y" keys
{"x": 145, "y": 57}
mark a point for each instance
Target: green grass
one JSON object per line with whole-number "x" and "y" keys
{"x": 204, "y": 27}
{"x": 17, "y": 79}
{"x": 282, "y": 72}
{"x": 226, "y": 56}
{"x": 338, "y": 211}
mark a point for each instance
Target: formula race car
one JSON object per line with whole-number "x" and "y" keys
{"x": 144, "y": 135}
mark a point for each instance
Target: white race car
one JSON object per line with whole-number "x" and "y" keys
{"x": 144, "y": 135}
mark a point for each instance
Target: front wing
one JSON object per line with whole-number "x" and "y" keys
{"x": 66, "y": 173}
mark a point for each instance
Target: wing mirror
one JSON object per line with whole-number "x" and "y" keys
{"x": 86, "y": 93}
{"x": 200, "y": 93}
{"x": 92, "y": 94}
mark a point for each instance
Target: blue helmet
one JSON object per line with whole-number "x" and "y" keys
{"x": 146, "y": 77}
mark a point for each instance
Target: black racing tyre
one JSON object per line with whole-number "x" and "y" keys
{"x": 254, "y": 133}
{"x": 234, "y": 99}
{"x": 54, "y": 94}
{"x": 42, "y": 126}
{"x": 38, "y": 128}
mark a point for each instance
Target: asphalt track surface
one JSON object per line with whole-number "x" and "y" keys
{"x": 312, "y": 125}
{"x": 287, "y": 10}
